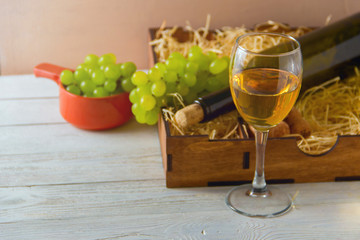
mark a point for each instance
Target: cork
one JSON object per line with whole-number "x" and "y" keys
{"x": 279, "y": 130}
{"x": 297, "y": 124}
{"x": 189, "y": 115}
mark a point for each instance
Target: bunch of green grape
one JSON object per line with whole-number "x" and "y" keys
{"x": 99, "y": 77}
{"x": 191, "y": 77}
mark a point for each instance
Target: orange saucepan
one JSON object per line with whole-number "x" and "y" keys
{"x": 84, "y": 112}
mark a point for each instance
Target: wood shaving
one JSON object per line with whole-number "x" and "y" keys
{"x": 332, "y": 109}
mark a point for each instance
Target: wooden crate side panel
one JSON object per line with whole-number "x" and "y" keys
{"x": 199, "y": 162}
{"x": 163, "y": 141}
{"x": 152, "y": 55}
{"x": 288, "y": 161}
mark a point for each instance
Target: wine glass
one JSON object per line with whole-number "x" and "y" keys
{"x": 265, "y": 80}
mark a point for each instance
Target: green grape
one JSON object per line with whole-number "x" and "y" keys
{"x": 136, "y": 109}
{"x": 82, "y": 66}
{"x": 138, "y": 112}
{"x": 227, "y": 59}
{"x": 213, "y": 84}
{"x": 127, "y": 85}
{"x": 158, "y": 88}
{"x": 217, "y": 66}
{"x": 112, "y": 79}
{"x": 204, "y": 62}
{"x": 90, "y": 94}
{"x": 154, "y": 74}
{"x": 81, "y": 75}
{"x": 182, "y": 89}
{"x": 91, "y": 59}
{"x": 110, "y": 86}
{"x": 100, "y": 92}
{"x": 195, "y": 49}
{"x": 107, "y": 59}
{"x": 200, "y": 85}
{"x": 144, "y": 89}
{"x": 67, "y": 77}
{"x": 147, "y": 102}
{"x": 189, "y": 79}
{"x": 180, "y": 75}
{"x": 212, "y": 56}
{"x": 87, "y": 86}
{"x": 170, "y": 76}
{"x": 73, "y": 89}
{"x": 200, "y": 59}
{"x": 102, "y": 67}
{"x": 191, "y": 67}
{"x": 91, "y": 69}
{"x": 128, "y": 69}
{"x": 117, "y": 91}
{"x": 139, "y": 78}
{"x": 182, "y": 66}
{"x": 161, "y": 67}
{"x": 175, "y": 64}
{"x": 204, "y": 75}
{"x": 195, "y": 56}
{"x": 161, "y": 102}
{"x": 113, "y": 57}
{"x": 170, "y": 87}
{"x": 134, "y": 96}
{"x": 152, "y": 116}
{"x": 223, "y": 77}
{"x": 112, "y": 71}
{"x": 177, "y": 55}
{"x": 141, "y": 117}
{"x": 190, "y": 97}
{"x": 98, "y": 77}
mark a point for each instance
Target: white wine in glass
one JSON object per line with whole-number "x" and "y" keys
{"x": 264, "y": 83}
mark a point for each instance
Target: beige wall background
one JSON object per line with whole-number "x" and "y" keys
{"x": 64, "y": 31}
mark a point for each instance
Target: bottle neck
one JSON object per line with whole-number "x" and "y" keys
{"x": 216, "y": 103}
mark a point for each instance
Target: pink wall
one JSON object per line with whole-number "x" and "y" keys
{"x": 64, "y": 31}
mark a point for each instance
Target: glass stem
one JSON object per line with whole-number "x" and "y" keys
{"x": 259, "y": 183}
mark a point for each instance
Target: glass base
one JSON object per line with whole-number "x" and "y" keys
{"x": 270, "y": 203}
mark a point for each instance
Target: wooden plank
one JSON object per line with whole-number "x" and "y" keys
{"x": 30, "y": 111}
{"x": 146, "y": 210}
{"x": 65, "y": 154}
{"x": 27, "y": 86}
{"x": 82, "y": 167}
{"x": 126, "y": 139}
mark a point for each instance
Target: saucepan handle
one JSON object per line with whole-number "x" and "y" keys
{"x": 48, "y": 70}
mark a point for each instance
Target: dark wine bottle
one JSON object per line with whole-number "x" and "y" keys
{"x": 328, "y": 52}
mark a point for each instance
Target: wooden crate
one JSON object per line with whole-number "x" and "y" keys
{"x": 196, "y": 161}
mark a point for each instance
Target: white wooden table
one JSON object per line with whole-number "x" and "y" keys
{"x": 60, "y": 182}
